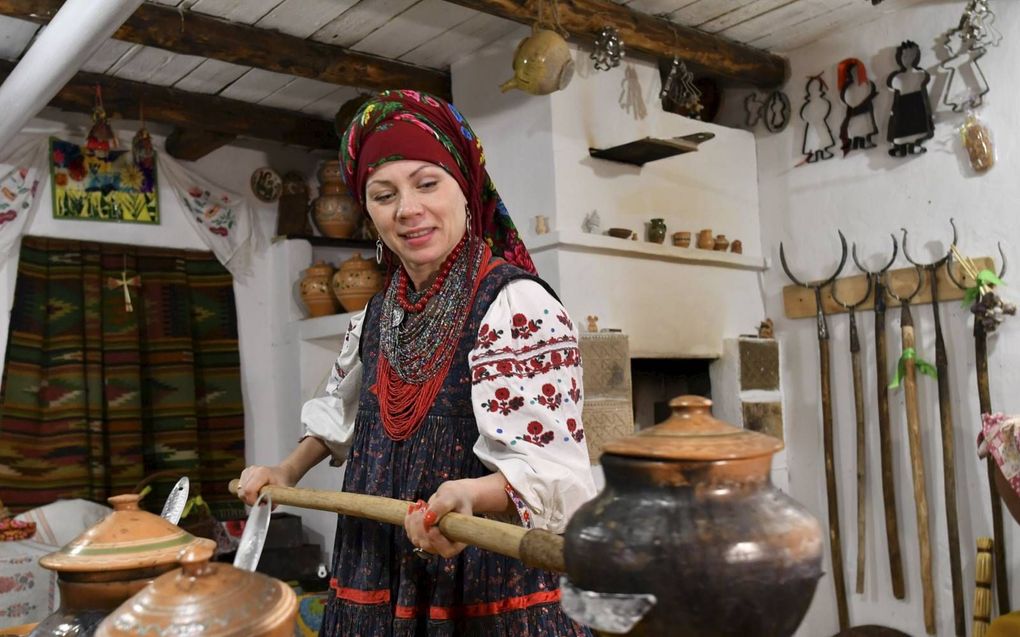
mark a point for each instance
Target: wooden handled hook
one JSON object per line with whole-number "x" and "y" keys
{"x": 534, "y": 547}
{"x": 917, "y": 469}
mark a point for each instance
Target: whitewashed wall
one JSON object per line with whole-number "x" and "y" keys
{"x": 868, "y": 196}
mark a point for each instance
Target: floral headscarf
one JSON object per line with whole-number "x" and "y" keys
{"x": 404, "y": 124}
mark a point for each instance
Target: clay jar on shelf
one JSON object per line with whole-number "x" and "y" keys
{"x": 721, "y": 243}
{"x": 656, "y": 230}
{"x": 315, "y": 290}
{"x": 336, "y": 214}
{"x": 356, "y": 282}
{"x": 737, "y": 247}
{"x": 682, "y": 239}
{"x": 705, "y": 239}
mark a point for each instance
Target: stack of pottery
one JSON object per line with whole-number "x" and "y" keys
{"x": 206, "y": 599}
{"x": 356, "y": 282}
{"x": 336, "y": 214}
{"x": 315, "y": 290}
{"x": 109, "y": 563}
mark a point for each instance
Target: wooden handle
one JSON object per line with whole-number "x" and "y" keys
{"x": 892, "y": 533}
{"x": 917, "y": 470}
{"x": 982, "y": 587}
{"x": 832, "y": 495}
{"x": 862, "y": 468}
{"x": 535, "y": 547}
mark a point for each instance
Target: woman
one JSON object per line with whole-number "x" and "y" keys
{"x": 458, "y": 388}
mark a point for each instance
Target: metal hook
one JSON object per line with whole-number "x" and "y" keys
{"x": 934, "y": 264}
{"x": 822, "y": 284}
{"x": 895, "y": 251}
{"x": 906, "y": 299}
{"x": 851, "y": 306}
{"x": 959, "y": 283}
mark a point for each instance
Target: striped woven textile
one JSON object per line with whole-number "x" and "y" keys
{"x": 95, "y": 398}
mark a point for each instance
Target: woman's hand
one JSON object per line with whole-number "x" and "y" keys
{"x": 482, "y": 495}
{"x": 254, "y": 477}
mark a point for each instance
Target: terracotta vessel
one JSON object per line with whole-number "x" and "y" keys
{"x": 109, "y": 563}
{"x": 721, "y": 242}
{"x": 682, "y": 239}
{"x": 737, "y": 247}
{"x": 336, "y": 214}
{"x": 356, "y": 282}
{"x": 705, "y": 240}
{"x": 542, "y": 64}
{"x": 206, "y": 599}
{"x": 657, "y": 230}
{"x": 315, "y": 292}
{"x": 725, "y": 553}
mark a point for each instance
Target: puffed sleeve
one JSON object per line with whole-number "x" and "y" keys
{"x": 331, "y": 417}
{"x": 526, "y": 390}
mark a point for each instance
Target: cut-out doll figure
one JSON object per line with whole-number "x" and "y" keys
{"x": 858, "y": 93}
{"x": 818, "y": 140}
{"x": 966, "y": 86}
{"x": 910, "y": 122}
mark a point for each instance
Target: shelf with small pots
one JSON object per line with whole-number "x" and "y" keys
{"x": 329, "y": 326}
{"x": 598, "y": 243}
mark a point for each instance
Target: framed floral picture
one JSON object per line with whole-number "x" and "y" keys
{"x": 108, "y": 186}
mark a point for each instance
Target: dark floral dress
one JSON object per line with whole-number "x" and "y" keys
{"x": 380, "y": 588}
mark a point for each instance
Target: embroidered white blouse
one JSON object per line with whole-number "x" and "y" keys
{"x": 526, "y": 392}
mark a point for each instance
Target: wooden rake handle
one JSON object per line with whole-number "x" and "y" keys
{"x": 534, "y": 547}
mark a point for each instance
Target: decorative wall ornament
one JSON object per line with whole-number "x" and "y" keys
{"x": 965, "y": 45}
{"x": 266, "y": 184}
{"x": 859, "y": 124}
{"x": 101, "y": 138}
{"x": 818, "y": 139}
{"x": 679, "y": 87}
{"x": 101, "y": 185}
{"x": 608, "y": 49}
{"x": 910, "y": 122}
{"x": 773, "y": 109}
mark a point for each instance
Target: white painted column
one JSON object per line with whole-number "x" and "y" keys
{"x": 74, "y": 34}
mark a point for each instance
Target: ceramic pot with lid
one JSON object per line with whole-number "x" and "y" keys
{"x": 109, "y": 563}
{"x": 356, "y": 282}
{"x": 689, "y": 514}
{"x": 206, "y": 599}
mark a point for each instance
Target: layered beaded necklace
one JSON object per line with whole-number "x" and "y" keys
{"x": 419, "y": 334}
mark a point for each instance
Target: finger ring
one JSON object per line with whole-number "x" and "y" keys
{"x": 421, "y": 553}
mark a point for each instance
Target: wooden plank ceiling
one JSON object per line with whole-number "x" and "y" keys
{"x": 429, "y": 34}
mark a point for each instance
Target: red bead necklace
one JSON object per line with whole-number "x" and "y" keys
{"x": 444, "y": 271}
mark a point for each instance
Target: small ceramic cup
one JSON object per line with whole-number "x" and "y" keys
{"x": 682, "y": 239}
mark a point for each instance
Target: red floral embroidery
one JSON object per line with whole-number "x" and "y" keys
{"x": 574, "y": 392}
{"x": 550, "y": 397}
{"x": 503, "y": 403}
{"x": 576, "y": 432}
{"x": 526, "y": 367}
{"x": 487, "y": 336}
{"x": 563, "y": 318}
{"x": 10, "y": 215}
{"x": 523, "y": 327}
{"x": 536, "y": 435}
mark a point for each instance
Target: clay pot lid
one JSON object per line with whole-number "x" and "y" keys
{"x": 205, "y": 599}
{"x": 320, "y": 268}
{"x": 356, "y": 262}
{"x": 692, "y": 433}
{"x": 127, "y": 539}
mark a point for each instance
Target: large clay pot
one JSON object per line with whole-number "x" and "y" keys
{"x": 315, "y": 292}
{"x": 689, "y": 515}
{"x": 356, "y": 282}
{"x": 109, "y": 563}
{"x": 206, "y": 599}
{"x": 542, "y": 64}
{"x": 336, "y": 214}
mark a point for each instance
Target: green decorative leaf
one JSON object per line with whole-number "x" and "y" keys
{"x": 921, "y": 365}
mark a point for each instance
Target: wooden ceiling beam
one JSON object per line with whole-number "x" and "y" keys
{"x": 193, "y": 33}
{"x": 191, "y": 144}
{"x": 218, "y": 115}
{"x": 704, "y": 53}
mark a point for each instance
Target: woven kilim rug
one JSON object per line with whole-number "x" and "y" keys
{"x": 121, "y": 361}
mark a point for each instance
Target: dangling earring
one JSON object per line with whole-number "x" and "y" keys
{"x": 378, "y": 251}
{"x": 467, "y": 213}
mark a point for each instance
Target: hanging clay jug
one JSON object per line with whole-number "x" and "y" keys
{"x": 335, "y": 212}
{"x": 206, "y": 599}
{"x": 315, "y": 292}
{"x": 690, "y": 515}
{"x": 356, "y": 282}
{"x": 542, "y": 64}
{"x": 721, "y": 242}
{"x": 108, "y": 563}
{"x": 705, "y": 240}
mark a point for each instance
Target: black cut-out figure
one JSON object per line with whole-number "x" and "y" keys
{"x": 818, "y": 139}
{"x": 910, "y": 122}
{"x": 858, "y": 93}
{"x": 776, "y": 112}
